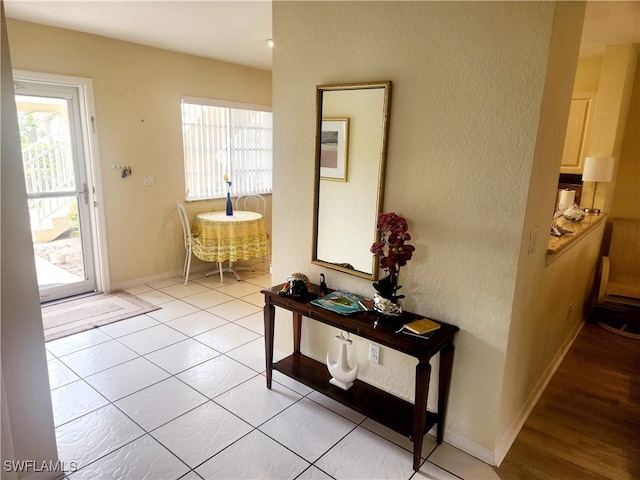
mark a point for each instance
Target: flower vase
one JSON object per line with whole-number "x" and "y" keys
{"x": 229, "y": 205}
{"x": 386, "y": 307}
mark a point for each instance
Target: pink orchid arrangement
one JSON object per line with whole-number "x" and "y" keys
{"x": 393, "y": 235}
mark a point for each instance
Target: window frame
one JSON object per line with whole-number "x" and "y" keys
{"x": 254, "y": 179}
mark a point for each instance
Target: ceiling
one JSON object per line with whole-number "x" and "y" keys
{"x": 232, "y": 31}
{"x": 610, "y": 23}
{"x": 236, "y": 30}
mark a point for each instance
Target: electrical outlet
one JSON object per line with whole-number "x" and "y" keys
{"x": 374, "y": 353}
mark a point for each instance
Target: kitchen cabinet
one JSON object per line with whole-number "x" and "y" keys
{"x": 577, "y": 136}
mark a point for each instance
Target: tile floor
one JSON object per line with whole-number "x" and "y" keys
{"x": 180, "y": 393}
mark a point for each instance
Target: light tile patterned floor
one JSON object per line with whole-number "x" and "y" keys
{"x": 181, "y": 393}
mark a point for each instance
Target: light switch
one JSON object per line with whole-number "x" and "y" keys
{"x": 147, "y": 179}
{"x": 533, "y": 238}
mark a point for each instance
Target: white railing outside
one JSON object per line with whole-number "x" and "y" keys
{"x": 48, "y": 167}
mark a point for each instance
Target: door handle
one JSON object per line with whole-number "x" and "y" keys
{"x": 84, "y": 193}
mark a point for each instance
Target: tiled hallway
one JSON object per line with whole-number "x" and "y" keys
{"x": 180, "y": 393}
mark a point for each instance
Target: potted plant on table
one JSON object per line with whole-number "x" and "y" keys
{"x": 393, "y": 252}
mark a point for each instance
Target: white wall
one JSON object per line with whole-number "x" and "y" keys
{"x": 468, "y": 87}
{"x": 27, "y": 416}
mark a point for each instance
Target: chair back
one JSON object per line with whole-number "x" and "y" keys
{"x": 186, "y": 228}
{"x": 252, "y": 203}
{"x": 624, "y": 255}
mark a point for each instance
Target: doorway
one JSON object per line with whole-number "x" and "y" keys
{"x": 61, "y": 187}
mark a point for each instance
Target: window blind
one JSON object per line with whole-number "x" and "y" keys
{"x": 226, "y": 138}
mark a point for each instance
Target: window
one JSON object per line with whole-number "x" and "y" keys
{"x": 226, "y": 138}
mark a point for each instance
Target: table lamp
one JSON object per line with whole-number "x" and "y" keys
{"x": 597, "y": 169}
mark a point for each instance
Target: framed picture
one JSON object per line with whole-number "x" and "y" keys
{"x": 334, "y": 149}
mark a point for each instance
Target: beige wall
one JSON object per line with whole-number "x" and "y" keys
{"x": 555, "y": 299}
{"x": 476, "y": 136}
{"x": 27, "y": 417}
{"x": 137, "y": 97}
{"x": 468, "y": 101}
{"x": 610, "y": 116}
{"x": 622, "y": 105}
{"x": 626, "y": 195}
{"x": 588, "y": 75}
{"x": 540, "y": 326}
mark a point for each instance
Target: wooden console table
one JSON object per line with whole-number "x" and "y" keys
{"x": 411, "y": 420}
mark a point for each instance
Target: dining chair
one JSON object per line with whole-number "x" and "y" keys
{"x": 255, "y": 203}
{"x": 252, "y": 203}
{"x": 188, "y": 240}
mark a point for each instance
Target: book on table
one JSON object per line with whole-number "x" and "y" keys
{"x": 423, "y": 327}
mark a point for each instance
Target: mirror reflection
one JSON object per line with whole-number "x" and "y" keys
{"x": 351, "y": 139}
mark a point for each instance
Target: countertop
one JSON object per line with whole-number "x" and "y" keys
{"x": 579, "y": 229}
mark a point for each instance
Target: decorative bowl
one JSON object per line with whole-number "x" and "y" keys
{"x": 385, "y": 306}
{"x": 574, "y": 214}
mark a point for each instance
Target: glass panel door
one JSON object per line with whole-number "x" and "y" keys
{"x": 55, "y": 176}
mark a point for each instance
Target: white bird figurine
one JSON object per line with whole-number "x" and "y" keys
{"x": 343, "y": 375}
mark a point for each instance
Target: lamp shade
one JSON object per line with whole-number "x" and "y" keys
{"x": 597, "y": 169}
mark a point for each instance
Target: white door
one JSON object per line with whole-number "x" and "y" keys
{"x": 59, "y": 192}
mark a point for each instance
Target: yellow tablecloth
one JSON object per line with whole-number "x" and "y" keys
{"x": 218, "y": 237}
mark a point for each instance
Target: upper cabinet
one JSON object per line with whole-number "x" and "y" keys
{"x": 580, "y": 118}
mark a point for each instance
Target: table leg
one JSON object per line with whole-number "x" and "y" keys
{"x": 444, "y": 379}
{"x": 269, "y": 320}
{"x": 222, "y": 269}
{"x": 213, "y": 272}
{"x": 232, "y": 270}
{"x": 297, "y": 331}
{"x": 423, "y": 373}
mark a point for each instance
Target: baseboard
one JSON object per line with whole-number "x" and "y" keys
{"x": 503, "y": 446}
{"x": 469, "y": 447}
{"x": 174, "y": 273}
{"x": 155, "y": 278}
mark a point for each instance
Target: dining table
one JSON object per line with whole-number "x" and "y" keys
{"x": 219, "y": 237}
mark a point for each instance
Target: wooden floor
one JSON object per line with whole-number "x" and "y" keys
{"x": 586, "y": 424}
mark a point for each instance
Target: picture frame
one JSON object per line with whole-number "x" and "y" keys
{"x": 334, "y": 149}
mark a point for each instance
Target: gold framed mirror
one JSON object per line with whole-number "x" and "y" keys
{"x": 352, "y": 127}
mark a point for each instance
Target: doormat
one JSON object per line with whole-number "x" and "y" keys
{"x": 66, "y": 318}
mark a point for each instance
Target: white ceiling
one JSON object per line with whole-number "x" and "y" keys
{"x": 232, "y": 30}
{"x": 235, "y": 30}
